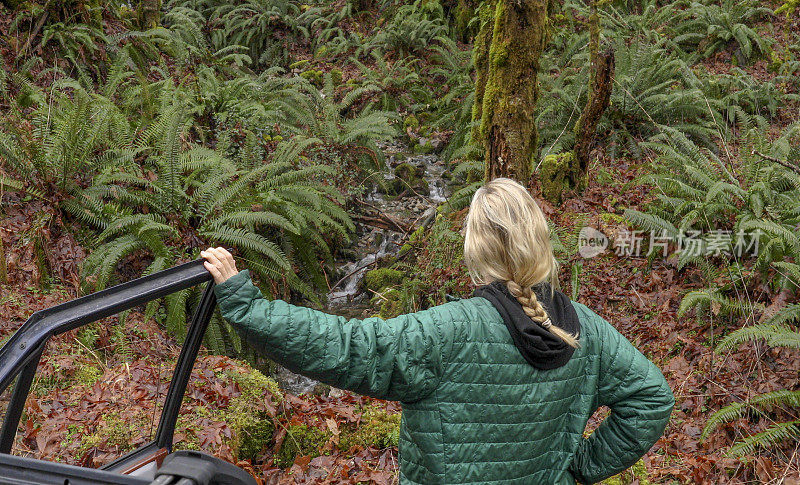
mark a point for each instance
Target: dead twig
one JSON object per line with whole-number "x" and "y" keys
{"x": 795, "y": 168}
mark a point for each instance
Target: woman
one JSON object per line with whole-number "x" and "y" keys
{"x": 496, "y": 388}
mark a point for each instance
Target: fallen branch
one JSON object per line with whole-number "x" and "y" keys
{"x": 384, "y": 221}
{"x": 788, "y": 165}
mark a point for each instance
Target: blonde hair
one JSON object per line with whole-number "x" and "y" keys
{"x": 507, "y": 239}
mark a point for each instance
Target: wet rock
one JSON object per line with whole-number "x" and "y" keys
{"x": 408, "y": 171}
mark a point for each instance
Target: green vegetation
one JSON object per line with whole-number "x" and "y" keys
{"x": 635, "y": 474}
{"x": 698, "y": 191}
{"x": 252, "y": 428}
{"x": 377, "y": 429}
{"x": 146, "y": 132}
{"x": 302, "y": 440}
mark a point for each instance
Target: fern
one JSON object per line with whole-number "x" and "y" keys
{"x": 196, "y": 194}
{"x": 67, "y": 134}
{"x": 711, "y": 27}
{"x": 453, "y": 109}
{"x": 412, "y": 29}
{"x": 255, "y": 24}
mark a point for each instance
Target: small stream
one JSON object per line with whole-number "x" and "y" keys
{"x": 373, "y": 244}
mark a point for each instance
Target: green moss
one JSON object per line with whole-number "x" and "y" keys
{"x": 498, "y": 50}
{"x": 252, "y": 433}
{"x": 392, "y": 186}
{"x": 314, "y": 76}
{"x": 88, "y": 374}
{"x": 380, "y": 278}
{"x": 255, "y": 385}
{"x": 411, "y": 122}
{"x": 424, "y": 148}
{"x": 635, "y": 474}
{"x": 378, "y": 429}
{"x": 301, "y": 440}
{"x": 392, "y": 303}
{"x": 299, "y": 64}
{"x": 408, "y": 172}
{"x": 554, "y": 175}
{"x": 498, "y": 53}
{"x": 610, "y": 218}
{"x": 111, "y": 432}
{"x": 252, "y": 430}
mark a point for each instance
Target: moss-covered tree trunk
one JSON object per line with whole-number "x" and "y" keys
{"x": 506, "y": 86}
{"x": 149, "y": 14}
{"x": 480, "y": 57}
{"x": 601, "y": 77}
{"x": 567, "y": 171}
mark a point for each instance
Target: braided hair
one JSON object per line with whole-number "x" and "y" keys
{"x": 507, "y": 239}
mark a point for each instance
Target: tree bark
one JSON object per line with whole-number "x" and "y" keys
{"x": 480, "y": 57}
{"x": 565, "y": 172}
{"x": 149, "y": 13}
{"x": 601, "y": 77}
{"x": 506, "y": 91}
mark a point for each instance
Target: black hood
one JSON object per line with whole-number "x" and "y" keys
{"x": 538, "y": 346}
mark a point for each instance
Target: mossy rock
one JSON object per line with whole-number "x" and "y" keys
{"x": 554, "y": 175}
{"x": 410, "y": 176}
{"x": 254, "y": 385}
{"x": 425, "y": 147}
{"x": 314, "y": 76}
{"x": 252, "y": 434}
{"x": 380, "y": 278}
{"x": 393, "y": 302}
{"x": 392, "y": 187}
{"x": 377, "y": 429}
{"x": 252, "y": 429}
{"x": 301, "y": 440}
{"x": 408, "y": 171}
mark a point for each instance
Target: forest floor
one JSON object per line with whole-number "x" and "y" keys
{"x": 639, "y": 297}
{"x": 105, "y": 384}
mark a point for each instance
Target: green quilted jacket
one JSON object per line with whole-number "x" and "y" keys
{"x": 474, "y": 411}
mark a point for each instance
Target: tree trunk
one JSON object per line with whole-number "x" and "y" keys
{"x": 565, "y": 172}
{"x": 480, "y": 57}
{"x": 601, "y": 77}
{"x": 508, "y": 102}
{"x": 149, "y": 13}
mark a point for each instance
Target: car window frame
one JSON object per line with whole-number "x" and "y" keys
{"x": 20, "y": 356}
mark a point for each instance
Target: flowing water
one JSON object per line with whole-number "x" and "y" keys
{"x": 373, "y": 244}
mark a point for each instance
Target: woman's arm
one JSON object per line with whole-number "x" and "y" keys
{"x": 641, "y": 403}
{"x": 398, "y": 359}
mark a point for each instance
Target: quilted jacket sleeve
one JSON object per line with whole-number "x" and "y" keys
{"x": 398, "y": 359}
{"x": 640, "y": 401}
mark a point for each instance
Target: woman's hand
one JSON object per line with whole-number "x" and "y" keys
{"x": 220, "y": 263}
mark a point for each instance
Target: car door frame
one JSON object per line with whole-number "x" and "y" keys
{"x": 20, "y": 356}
